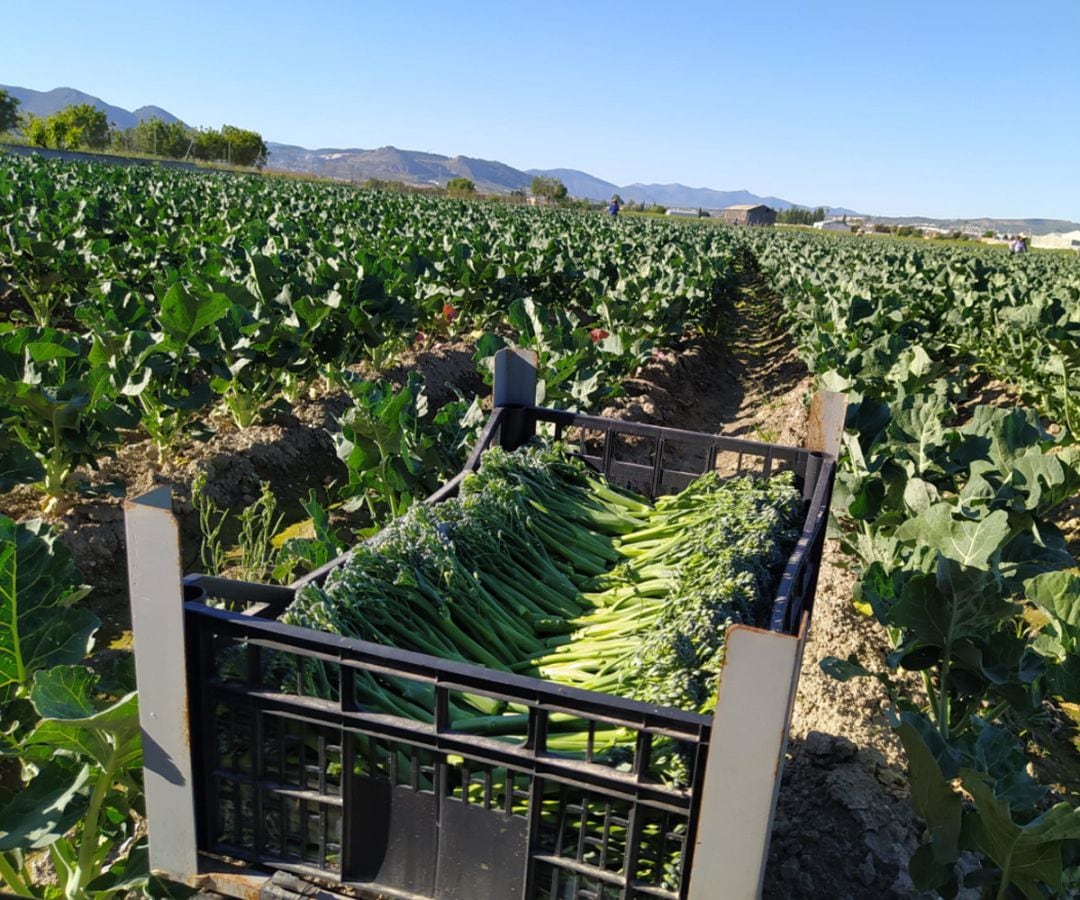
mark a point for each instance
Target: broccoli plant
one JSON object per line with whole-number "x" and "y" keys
{"x": 75, "y": 733}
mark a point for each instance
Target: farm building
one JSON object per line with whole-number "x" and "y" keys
{"x": 749, "y": 214}
{"x": 1069, "y": 240}
{"x": 832, "y": 225}
{"x": 688, "y": 213}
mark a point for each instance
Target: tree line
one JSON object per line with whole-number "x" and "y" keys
{"x": 83, "y": 126}
{"x": 799, "y": 216}
{"x": 550, "y": 189}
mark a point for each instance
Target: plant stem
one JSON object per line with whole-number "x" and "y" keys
{"x": 943, "y": 694}
{"x": 54, "y": 466}
{"x": 42, "y": 312}
{"x": 1006, "y": 880}
{"x": 928, "y": 686}
{"x": 996, "y": 711}
{"x": 89, "y": 838}
{"x": 12, "y": 878}
{"x": 1065, "y": 397}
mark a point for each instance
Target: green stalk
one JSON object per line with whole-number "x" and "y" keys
{"x": 584, "y": 651}
{"x": 388, "y": 492}
{"x": 522, "y": 604}
{"x": 1006, "y": 880}
{"x": 460, "y": 638}
{"x": 997, "y": 710}
{"x": 581, "y": 558}
{"x": 385, "y": 701}
{"x": 89, "y": 838}
{"x": 654, "y": 532}
{"x": 480, "y": 621}
{"x": 587, "y": 541}
{"x": 424, "y": 639}
{"x": 943, "y": 694}
{"x": 656, "y": 588}
{"x": 613, "y": 497}
{"x": 57, "y": 469}
{"x": 493, "y": 726}
{"x": 1065, "y": 399}
{"x": 12, "y": 878}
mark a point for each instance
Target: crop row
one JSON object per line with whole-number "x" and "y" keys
{"x": 1015, "y": 318}
{"x": 948, "y": 512}
{"x": 148, "y": 299}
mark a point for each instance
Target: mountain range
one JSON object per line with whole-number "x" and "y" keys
{"x": 416, "y": 167}
{"x": 489, "y": 176}
{"x": 1001, "y": 226}
{"x": 392, "y": 164}
{"x": 493, "y": 177}
{"x": 582, "y": 184}
{"x": 45, "y": 103}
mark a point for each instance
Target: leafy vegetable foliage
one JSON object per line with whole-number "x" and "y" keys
{"x": 947, "y": 510}
{"x": 77, "y": 737}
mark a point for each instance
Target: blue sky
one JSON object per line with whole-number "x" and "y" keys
{"x": 950, "y": 108}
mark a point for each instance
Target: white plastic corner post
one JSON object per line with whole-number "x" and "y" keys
{"x": 825, "y": 424}
{"x": 515, "y": 378}
{"x": 157, "y": 622}
{"x": 745, "y": 761}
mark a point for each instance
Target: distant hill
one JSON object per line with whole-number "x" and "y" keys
{"x": 45, "y": 103}
{"x": 392, "y": 164}
{"x": 411, "y": 166}
{"x": 414, "y": 167}
{"x": 681, "y": 195}
{"x": 155, "y": 112}
{"x": 419, "y": 168}
{"x": 581, "y": 184}
{"x": 1001, "y": 226}
{"x": 491, "y": 176}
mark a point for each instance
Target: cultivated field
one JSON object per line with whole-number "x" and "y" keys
{"x": 302, "y": 363}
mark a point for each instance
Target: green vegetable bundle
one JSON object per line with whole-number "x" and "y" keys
{"x": 542, "y": 568}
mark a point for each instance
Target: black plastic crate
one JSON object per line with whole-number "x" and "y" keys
{"x": 401, "y": 808}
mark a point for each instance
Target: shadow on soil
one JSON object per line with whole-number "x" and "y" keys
{"x": 855, "y": 845}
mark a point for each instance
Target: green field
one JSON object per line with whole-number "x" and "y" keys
{"x": 144, "y": 305}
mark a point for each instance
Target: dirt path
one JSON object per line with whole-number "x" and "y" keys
{"x": 844, "y": 826}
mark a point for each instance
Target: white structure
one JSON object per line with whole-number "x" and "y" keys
{"x": 832, "y": 225}
{"x": 1069, "y": 240}
{"x": 690, "y": 213}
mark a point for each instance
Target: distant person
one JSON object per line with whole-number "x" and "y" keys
{"x": 613, "y": 208}
{"x": 1018, "y": 245}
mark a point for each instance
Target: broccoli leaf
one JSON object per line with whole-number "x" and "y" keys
{"x": 1027, "y": 855}
{"x": 38, "y": 629}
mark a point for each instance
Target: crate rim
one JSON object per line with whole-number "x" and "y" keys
{"x": 451, "y": 674}
{"x": 570, "y": 419}
{"x": 260, "y": 623}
